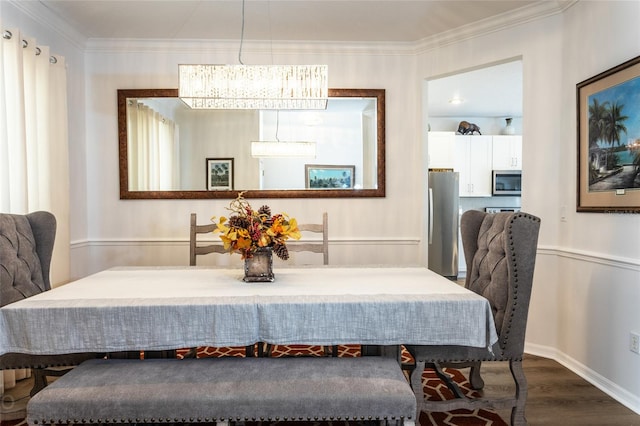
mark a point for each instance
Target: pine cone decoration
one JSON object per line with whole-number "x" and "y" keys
{"x": 281, "y": 251}
{"x": 238, "y": 222}
{"x": 265, "y": 210}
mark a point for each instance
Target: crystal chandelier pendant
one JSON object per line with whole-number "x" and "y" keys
{"x": 267, "y": 87}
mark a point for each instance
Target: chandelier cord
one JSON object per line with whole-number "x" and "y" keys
{"x": 270, "y": 30}
{"x": 241, "y": 36}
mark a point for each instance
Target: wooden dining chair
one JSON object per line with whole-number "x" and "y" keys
{"x": 196, "y": 248}
{"x": 26, "y": 248}
{"x": 500, "y": 251}
{"x": 314, "y": 246}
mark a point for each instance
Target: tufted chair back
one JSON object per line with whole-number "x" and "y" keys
{"x": 26, "y": 246}
{"x": 501, "y": 250}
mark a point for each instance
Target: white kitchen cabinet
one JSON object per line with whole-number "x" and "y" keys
{"x": 442, "y": 150}
{"x": 473, "y": 160}
{"x": 507, "y": 152}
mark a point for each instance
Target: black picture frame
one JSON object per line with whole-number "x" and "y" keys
{"x": 220, "y": 174}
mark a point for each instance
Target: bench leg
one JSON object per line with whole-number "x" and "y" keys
{"x": 40, "y": 377}
{"x": 39, "y": 381}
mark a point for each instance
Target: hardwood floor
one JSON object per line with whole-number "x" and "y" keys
{"x": 557, "y": 396}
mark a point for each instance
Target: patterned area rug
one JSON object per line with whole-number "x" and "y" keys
{"x": 435, "y": 389}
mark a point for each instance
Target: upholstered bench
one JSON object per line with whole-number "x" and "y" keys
{"x": 226, "y": 390}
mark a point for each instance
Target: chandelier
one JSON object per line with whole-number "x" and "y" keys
{"x": 253, "y": 86}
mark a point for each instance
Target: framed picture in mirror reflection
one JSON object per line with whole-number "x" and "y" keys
{"x": 219, "y": 174}
{"x": 329, "y": 176}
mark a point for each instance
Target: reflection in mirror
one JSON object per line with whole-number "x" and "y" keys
{"x": 165, "y": 147}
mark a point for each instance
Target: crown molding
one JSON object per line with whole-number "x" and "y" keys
{"x": 47, "y": 18}
{"x": 523, "y": 15}
{"x": 202, "y": 46}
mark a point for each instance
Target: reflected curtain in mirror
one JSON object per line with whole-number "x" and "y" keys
{"x": 154, "y": 149}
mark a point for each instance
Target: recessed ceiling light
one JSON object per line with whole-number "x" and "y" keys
{"x": 456, "y": 101}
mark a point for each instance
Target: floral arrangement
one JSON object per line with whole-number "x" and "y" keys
{"x": 246, "y": 230}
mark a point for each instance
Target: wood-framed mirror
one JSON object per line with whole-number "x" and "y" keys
{"x": 168, "y": 151}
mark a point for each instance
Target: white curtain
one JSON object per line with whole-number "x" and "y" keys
{"x": 153, "y": 149}
{"x": 34, "y": 161}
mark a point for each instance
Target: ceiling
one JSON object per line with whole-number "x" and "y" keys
{"x": 363, "y": 21}
{"x": 317, "y": 20}
{"x": 492, "y": 91}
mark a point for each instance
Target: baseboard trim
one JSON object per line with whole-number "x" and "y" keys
{"x": 616, "y": 392}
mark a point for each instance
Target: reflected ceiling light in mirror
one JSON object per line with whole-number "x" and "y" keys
{"x": 277, "y": 149}
{"x": 270, "y": 87}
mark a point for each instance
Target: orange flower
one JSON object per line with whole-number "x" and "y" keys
{"x": 247, "y": 229}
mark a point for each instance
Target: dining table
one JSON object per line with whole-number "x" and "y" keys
{"x": 163, "y": 308}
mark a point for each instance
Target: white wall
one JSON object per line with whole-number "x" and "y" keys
{"x": 134, "y": 232}
{"x": 599, "y": 280}
{"x": 587, "y": 282}
{"x": 340, "y": 135}
{"x": 218, "y": 134}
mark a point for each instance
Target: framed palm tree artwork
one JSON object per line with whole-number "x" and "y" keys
{"x": 608, "y": 107}
{"x": 219, "y": 174}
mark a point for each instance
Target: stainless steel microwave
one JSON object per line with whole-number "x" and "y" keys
{"x": 507, "y": 182}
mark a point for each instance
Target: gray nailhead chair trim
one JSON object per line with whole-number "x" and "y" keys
{"x": 500, "y": 250}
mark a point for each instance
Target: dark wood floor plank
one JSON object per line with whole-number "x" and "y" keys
{"x": 557, "y": 396}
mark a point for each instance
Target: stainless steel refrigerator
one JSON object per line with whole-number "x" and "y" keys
{"x": 443, "y": 223}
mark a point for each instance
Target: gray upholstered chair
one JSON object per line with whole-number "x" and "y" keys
{"x": 26, "y": 247}
{"x": 500, "y": 251}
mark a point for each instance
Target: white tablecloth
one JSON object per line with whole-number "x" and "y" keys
{"x": 165, "y": 308}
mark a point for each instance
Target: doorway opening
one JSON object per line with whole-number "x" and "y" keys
{"x": 489, "y": 97}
